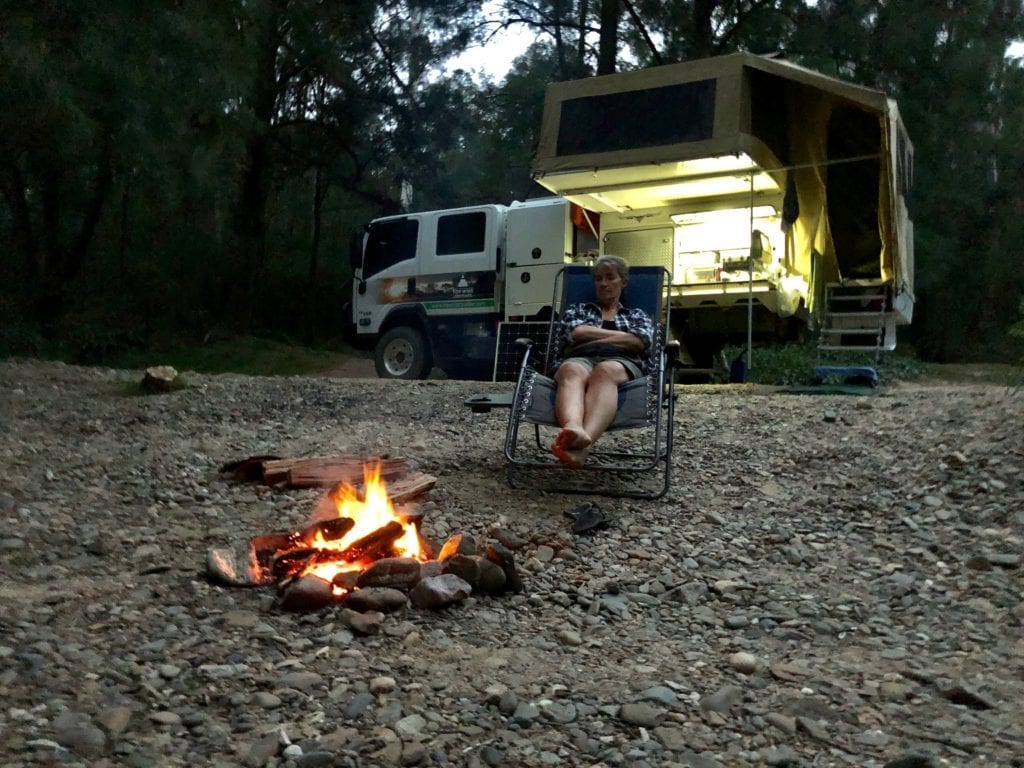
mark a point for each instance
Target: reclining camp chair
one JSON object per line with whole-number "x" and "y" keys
{"x": 638, "y": 444}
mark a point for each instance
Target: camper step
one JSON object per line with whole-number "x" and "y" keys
{"x": 858, "y": 314}
{"x": 849, "y": 347}
{"x": 856, "y": 329}
{"x": 856, "y": 296}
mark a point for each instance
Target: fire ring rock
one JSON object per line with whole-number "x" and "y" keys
{"x": 394, "y": 572}
{"x": 308, "y": 593}
{"x": 383, "y": 599}
{"x": 439, "y": 591}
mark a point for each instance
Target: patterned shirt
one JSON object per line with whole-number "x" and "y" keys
{"x": 633, "y": 321}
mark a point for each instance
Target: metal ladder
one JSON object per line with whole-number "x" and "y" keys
{"x": 854, "y": 320}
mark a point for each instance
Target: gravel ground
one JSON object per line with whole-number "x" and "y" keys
{"x": 833, "y": 580}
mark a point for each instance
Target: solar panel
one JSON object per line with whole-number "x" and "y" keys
{"x": 508, "y": 354}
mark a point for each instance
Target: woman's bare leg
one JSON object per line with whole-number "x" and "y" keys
{"x": 593, "y": 400}
{"x": 570, "y": 398}
{"x": 602, "y": 398}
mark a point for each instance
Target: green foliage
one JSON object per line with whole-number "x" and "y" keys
{"x": 793, "y": 364}
{"x": 247, "y": 355}
{"x": 1017, "y": 329}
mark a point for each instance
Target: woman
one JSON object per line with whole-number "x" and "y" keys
{"x": 604, "y": 344}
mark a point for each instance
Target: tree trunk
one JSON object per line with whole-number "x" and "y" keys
{"x": 250, "y": 221}
{"x": 702, "y": 33}
{"x": 581, "y": 47}
{"x": 608, "y": 46}
{"x": 319, "y": 193}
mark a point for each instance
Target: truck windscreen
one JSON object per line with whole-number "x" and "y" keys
{"x": 389, "y": 242}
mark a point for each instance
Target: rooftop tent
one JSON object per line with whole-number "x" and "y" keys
{"x": 737, "y": 127}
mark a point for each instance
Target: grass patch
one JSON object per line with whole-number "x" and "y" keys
{"x": 248, "y": 355}
{"x": 789, "y": 365}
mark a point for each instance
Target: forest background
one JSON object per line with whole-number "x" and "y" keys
{"x": 179, "y": 171}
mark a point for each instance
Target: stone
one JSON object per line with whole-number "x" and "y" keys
{"x": 641, "y": 713}
{"x": 380, "y": 599}
{"x": 439, "y": 592}
{"x": 400, "y": 573}
{"x": 722, "y": 700}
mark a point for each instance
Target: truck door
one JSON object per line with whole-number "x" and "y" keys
{"x": 539, "y": 242}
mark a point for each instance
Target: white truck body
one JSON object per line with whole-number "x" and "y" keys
{"x": 431, "y": 288}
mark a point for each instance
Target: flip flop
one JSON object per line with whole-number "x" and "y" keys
{"x": 587, "y": 517}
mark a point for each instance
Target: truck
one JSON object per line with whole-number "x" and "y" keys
{"x": 443, "y": 288}
{"x": 777, "y": 198}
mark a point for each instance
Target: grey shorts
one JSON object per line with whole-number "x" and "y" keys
{"x": 589, "y": 362}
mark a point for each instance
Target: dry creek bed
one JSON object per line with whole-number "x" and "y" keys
{"x": 832, "y": 581}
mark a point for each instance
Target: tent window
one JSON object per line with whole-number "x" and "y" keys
{"x": 671, "y": 114}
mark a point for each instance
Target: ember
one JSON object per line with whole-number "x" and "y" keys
{"x": 361, "y": 542}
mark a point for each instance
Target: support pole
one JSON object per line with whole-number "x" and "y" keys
{"x": 750, "y": 280}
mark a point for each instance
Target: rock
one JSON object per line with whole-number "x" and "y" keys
{"x": 362, "y": 623}
{"x": 722, "y": 700}
{"x": 77, "y": 732}
{"x": 439, "y": 592}
{"x": 261, "y": 750}
{"x": 381, "y": 599}
{"x": 642, "y": 714}
{"x": 743, "y": 662}
{"x": 307, "y": 593}
{"x": 315, "y": 759}
{"x": 379, "y": 685}
{"x": 161, "y": 378}
{"x": 400, "y": 573}
{"x": 913, "y": 760}
{"x": 466, "y": 567}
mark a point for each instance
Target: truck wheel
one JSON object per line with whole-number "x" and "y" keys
{"x": 403, "y": 353}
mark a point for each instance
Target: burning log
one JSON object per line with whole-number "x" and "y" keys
{"x": 375, "y": 545}
{"x": 333, "y": 529}
{"x": 265, "y": 548}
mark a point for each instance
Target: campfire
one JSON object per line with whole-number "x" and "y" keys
{"x": 363, "y": 548}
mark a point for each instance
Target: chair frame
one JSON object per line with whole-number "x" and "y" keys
{"x": 574, "y": 284}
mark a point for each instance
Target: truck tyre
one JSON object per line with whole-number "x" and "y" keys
{"x": 403, "y": 353}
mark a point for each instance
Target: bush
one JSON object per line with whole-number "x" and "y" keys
{"x": 793, "y": 364}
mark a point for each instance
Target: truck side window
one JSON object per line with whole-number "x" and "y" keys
{"x": 389, "y": 242}
{"x": 461, "y": 233}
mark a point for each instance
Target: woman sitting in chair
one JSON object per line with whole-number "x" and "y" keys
{"x": 603, "y": 345}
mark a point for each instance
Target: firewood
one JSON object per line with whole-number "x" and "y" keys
{"x": 410, "y": 487}
{"x": 376, "y": 544}
{"x": 312, "y": 471}
{"x": 331, "y": 529}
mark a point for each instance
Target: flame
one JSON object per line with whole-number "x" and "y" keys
{"x": 374, "y": 510}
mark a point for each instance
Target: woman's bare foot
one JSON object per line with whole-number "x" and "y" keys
{"x": 572, "y": 446}
{"x": 572, "y": 439}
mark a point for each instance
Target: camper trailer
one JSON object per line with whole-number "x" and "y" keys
{"x": 774, "y": 195}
